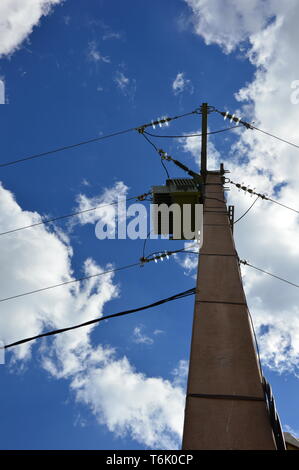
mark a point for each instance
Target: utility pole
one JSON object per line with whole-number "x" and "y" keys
{"x": 225, "y": 403}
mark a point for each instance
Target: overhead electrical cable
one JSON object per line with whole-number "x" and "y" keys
{"x": 269, "y": 274}
{"x": 142, "y": 197}
{"x": 72, "y": 281}
{"x": 262, "y": 196}
{"x": 96, "y": 139}
{"x": 181, "y": 295}
{"x": 186, "y": 136}
{"x": 158, "y": 151}
{"x": 248, "y": 125}
{"x": 246, "y": 212}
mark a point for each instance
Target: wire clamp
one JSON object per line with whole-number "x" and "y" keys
{"x": 164, "y": 155}
{"x": 243, "y": 261}
{"x": 143, "y": 197}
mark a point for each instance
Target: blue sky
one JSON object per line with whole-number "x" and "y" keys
{"x": 89, "y": 68}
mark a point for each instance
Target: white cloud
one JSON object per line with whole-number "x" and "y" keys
{"x": 125, "y": 84}
{"x": 107, "y": 214}
{"x": 2, "y": 91}
{"x": 193, "y": 145}
{"x": 148, "y": 409}
{"x": 268, "y": 236}
{"x": 121, "y": 80}
{"x": 188, "y": 261}
{"x": 180, "y": 373}
{"x": 94, "y": 54}
{"x": 140, "y": 337}
{"x": 18, "y": 18}
{"x": 242, "y": 19}
{"x": 181, "y": 84}
{"x": 158, "y": 332}
{"x": 29, "y": 266}
{"x": 111, "y": 35}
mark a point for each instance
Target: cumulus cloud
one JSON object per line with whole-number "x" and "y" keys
{"x": 193, "y": 146}
{"x": 18, "y": 18}
{"x": 129, "y": 403}
{"x": 188, "y": 261}
{"x": 107, "y": 213}
{"x": 266, "y": 33}
{"x": 181, "y": 84}
{"x": 180, "y": 373}
{"x": 28, "y": 266}
{"x": 242, "y": 19}
{"x": 151, "y": 409}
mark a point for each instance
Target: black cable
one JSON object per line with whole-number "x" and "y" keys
{"x": 47, "y": 221}
{"x": 144, "y": 243}
{"x": 271, "y": 408}
{"x": 165, "y": 168}
{"x": 274, "y": 418}
{"x": 95, "y": 139}
{"x": 282, "y": 205}
{"x": 181, "y": 295}
{"x": 250, "y": 126}
{"x": 275, "y": 137}
{"x": 266, "y": 272}
{"x": 189, "y": 135}
{"x": 243, "y": 215}
{"x": 157, "y": 150}
{"x": 66, "y": 147}
{"x": 262, "y": 196}
{"x": 69, "y": 282}
{"x": 150, "y": 142}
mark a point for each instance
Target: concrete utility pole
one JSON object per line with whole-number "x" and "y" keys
{"x": 225, "y": 403}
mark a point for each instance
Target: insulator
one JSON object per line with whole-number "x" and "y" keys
{"x": 153, "y": 125}
{"x": 232, "y": 118}
{"x": 226, "y": 114}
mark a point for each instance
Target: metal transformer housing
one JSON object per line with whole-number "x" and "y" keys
{"x": 179, "y": 191}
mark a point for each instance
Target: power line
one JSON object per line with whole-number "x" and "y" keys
{"x": 275, "y": 137}
{"x": 186, "y": 136}
{"x": 232, "y": 117}
{"x": 47, "y": 221}
{"x": 66, "y": 147}
{"x": 158, "y": 151}
{"x": 246, "y": 212}
{"x": 181, "y": 295}
{"x": 96, "y": 139}
{"x": 282, "y": 205}
{"x": 69, "y": 282}
{"x": 142, "y": 261}
{"x": 247, "y": 264}
{"x": 262, "y": 196}
{"x": 269, "y": 274}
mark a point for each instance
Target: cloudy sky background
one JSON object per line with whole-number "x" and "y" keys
{"x": 71, "y": 72}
